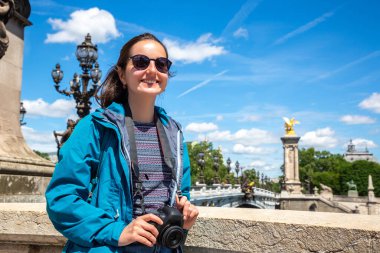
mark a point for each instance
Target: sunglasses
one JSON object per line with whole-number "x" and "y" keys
{"x": 141, "y": 62}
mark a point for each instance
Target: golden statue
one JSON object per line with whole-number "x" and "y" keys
{"x": 289, "y": 126}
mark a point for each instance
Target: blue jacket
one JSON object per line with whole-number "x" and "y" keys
{"x": 89, "y": 198}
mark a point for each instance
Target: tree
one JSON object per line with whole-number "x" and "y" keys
{"x": 333, "y": 170}
{"x": 209, "y": 152}
{"x": 42, "y": 154}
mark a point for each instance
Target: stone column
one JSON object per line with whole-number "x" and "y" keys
{"x": 291, "y": 173}
{"x": 22, "y": 172}
{"x": 371, "y": 204}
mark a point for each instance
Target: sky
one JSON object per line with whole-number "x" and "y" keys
{"x": 240, "y": 67}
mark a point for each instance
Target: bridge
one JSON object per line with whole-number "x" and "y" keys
{"x": 233, "y": 196}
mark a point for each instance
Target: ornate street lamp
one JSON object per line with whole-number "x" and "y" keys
{"x": 228, "y": 169}
{"x": 228, "y": 165}
{"x": 201, "y": 163}
{"x": 241, "y": 174}
{"x": 216, "y": 169}
{"x": 22, "y": 114}
{"x": 87, "y": 54}
{"x": 237, "y": 164}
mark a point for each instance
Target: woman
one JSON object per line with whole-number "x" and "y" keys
{"x": 123, "y": 162}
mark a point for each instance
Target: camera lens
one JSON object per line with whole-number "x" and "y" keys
{"x": 173, "y": 237}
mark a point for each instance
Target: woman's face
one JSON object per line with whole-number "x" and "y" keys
{"x": 148, "y": 81}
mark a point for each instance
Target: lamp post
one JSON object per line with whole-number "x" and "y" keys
{"x": 258, "y": 177}
{"x": 308, "y": 184}
{"x": 241, "y": 174}
{"x": 216, "y": 169}
{"x": 228, "y": 169}
{"x": 22, "y": 114}
{"x": 237, "y": 164}
{"x": 201, "y": 163}
{"x": 266, "y": 180}
{"x": 87, "y": 54}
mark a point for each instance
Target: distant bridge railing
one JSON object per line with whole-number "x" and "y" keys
{"x": 232, "y": 196}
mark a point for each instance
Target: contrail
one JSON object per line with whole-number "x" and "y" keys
{"x": 304, "y": 28}
{"x": 240, "y": 16}
{"x": 374, "y": 54}
{"x": 203, "y": 83}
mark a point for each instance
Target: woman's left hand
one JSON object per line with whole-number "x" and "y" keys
{"x": 189, "y": 211}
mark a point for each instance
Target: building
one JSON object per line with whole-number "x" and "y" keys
{"x": 352, "y": 154}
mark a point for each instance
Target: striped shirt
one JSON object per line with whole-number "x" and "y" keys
{"x": 154, "y": 174}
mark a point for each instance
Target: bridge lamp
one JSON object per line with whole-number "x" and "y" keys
{"x": 201, "y": 164}
{"x": 237, "y": 164}
{"x": 80, "y": 90}
{"x": 228, "y": 165}
{"x": 216, "y": 168}
{"x": 87, "y": 54}
{"x": 22, "y": 114}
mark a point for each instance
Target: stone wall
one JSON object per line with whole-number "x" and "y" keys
{"x": 26, "y": 228}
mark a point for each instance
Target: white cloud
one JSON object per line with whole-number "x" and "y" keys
{"x": 41, "y": 141}
{"x": 251, "y": 150}
{"x": 363, "y": 143}
{"x": 198, "y": 51}
{"x": 260, "y": 165}
{"x": 58, "y": 109}
{"x": 201, "y": 127}
{"x": 241, "y": 33}
{"x": 371, "y": 103}
{"x": 99, "y": 23}
{"x": 219, "y": 117}
{"x": 249, "y": 137}
{"x": 249, "y": 118}
{"x": 320, "y": 138}
{"x": 357, "y": 119}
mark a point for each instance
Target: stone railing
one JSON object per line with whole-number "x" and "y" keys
{"x": 26, "y": 228}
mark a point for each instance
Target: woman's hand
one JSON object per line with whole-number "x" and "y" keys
{"x": 139, "y": 230}
{"x": 189, "y": 211}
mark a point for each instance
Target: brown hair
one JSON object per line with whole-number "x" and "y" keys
{"x": 112, "y": 89}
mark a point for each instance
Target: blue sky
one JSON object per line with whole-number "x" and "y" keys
{"x": 240, "y": 67}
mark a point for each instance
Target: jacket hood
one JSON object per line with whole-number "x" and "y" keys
{"x": 119, "y": 109}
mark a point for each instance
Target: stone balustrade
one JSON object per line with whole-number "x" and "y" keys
{"x": 214, "y": 190}
{"x": 26, "y": 228}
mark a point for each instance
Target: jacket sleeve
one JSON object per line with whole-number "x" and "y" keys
{"x": 186, "y": 178}
{"x": 68, "y": 190}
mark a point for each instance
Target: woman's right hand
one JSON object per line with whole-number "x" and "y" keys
{"x": 139, "y": 230}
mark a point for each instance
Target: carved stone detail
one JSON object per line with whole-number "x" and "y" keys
{"x": 6, "y": 12}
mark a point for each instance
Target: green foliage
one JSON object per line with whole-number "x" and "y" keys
{"x": 42, "y": 154}
{"x": 209, "y": 154}
{"x": 250, "y": 175}
{"x": 332, "y": 170}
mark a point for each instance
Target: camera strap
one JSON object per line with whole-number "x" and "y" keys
{"x": 163, "y": 142}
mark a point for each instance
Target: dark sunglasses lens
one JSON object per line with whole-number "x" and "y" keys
{"x": 140, "y": 61}
{"x": 163, "y": 64}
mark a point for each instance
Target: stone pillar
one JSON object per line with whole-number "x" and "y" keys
{"x": 22, "y": 172}
{"x": 291, "y": 173}
{"x": 371, "y": 204}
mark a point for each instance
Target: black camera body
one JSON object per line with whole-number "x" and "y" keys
{"x": 171, "y": 234}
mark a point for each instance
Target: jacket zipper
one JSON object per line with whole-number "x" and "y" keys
{"x": 123, "y": 151}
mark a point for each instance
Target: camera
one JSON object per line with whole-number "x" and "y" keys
{"x": 171, "y": 233}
